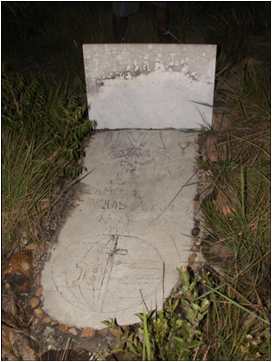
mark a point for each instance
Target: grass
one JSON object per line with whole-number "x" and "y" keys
{"x": 240, "y": 318}
{"x": 43, "y": 130}
{"x": 234, "y": 329}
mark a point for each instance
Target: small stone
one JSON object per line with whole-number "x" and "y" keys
{"x": 195, "y": 231}
{"x": 35, "y": 322}
{"x": 196, "y": 222}
{"x": 195, "y": 248}
{"x": 73, "y": 331}
{"x": 20, "y": 263}
{"x": 31, "y": 246}
{"x": 192, "y": 259}
{"x": 39, "y": 292}
{"x": 46, "y": 319}
{"x": 63, "y": 328}
{"x": 197, "y": 197}
{"x": 87, "y": 332}
{"x": 38, "y": 279}
{"x": 38, "y": 312}
{"x": 196, "y": 204}
{"x": 105, "y": 332}
{"x": 116, "y": 332}
{"x": 34, "y": 302}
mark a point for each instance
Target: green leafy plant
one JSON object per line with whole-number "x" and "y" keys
{"x": 174, "y": 333}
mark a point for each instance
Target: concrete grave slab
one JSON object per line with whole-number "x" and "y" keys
{"x": 150, "y": 85}
{"x": 120, "y": 248}
{"x": 130, "y": 230}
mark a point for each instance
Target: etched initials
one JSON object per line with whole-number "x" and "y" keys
{"x": 113, "y": 205}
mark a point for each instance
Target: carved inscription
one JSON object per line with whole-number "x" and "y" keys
{"x": 113, "y": 205}
{"x": 118, "y": 237}
{"x": 109, "y": 264}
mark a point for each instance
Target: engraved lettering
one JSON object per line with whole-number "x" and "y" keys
{"x": 113, "y": 205}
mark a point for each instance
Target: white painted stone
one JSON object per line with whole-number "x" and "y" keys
{"x": 129, "y": 231}
{"x": 150, "y": 85}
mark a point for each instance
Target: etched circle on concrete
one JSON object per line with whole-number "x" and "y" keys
{"x": 94, "y": 282}
{"x": 119, "y": 249}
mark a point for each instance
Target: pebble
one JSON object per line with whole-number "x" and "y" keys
{"x": 192, "y": 259}
{"x": 47, "y": 331}
{"x": 197, "y": 198}
{"x": 38, "y": 312}
{"x": 53, "y": 323}
{"x": 46, "y": 319}
{"x": 73, "y": 331}
{"x": 195, "y": 231}
{"x": 34, "y": 302}
{"x": 87, "y": 332}
{"x": 104, "y": 332}
{"x": 116, "y": 332}
{"x": 196, "y": 204}
{"x": 39, "y": 292}
{"x": 63, "y": 328}
{"x": 32, "y": 246}
{"x": 195, "y": 248}
{"x": 20, "y": 263}
{"x": 38, "y": 279}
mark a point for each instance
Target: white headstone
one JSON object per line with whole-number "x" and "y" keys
{"x": 150, "y": 85}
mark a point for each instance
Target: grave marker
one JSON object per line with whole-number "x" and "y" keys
{"x": 131, "y": 228}
{"x": 150, "y": 85}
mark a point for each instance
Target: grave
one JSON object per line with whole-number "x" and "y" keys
{"x": 119, "y": 249}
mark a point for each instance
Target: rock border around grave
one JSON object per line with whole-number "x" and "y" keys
{"x": 35, "y": 298}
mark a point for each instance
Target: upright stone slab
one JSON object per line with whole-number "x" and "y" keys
{"x": 121, "y": 245}
{"x": 150, "y": 85}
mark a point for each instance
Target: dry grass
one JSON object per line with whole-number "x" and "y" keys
{"x": 42, "y": 134}
{"x": 237, "y": 222}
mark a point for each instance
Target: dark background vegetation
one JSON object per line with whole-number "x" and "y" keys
{"x": 48, "y": 36}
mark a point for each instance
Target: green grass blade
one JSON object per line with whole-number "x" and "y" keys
{"x": 238, "y": 305}
{"x": 147, "y": 343}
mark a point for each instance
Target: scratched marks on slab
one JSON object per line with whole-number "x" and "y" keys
{"x": 96, "y": 277}
{"x": 120, "y": 248}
